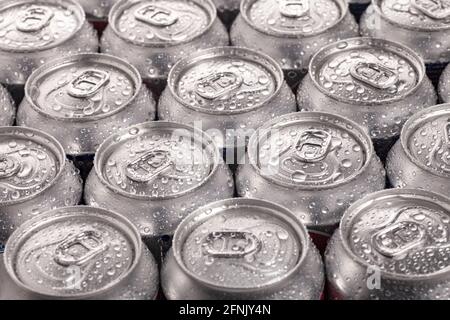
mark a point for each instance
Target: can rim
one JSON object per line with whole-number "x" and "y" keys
{"x": 70, "y": 3}
{"x": 362, "y": 203}
{"x": 418, "y": 64}
{"x": 413, "y": 124}
{"x": 377, "y": 9}
{"x": 246, "y": 4}
{"x": 207, "y": 141}
{"x": 60, "y": 214}
{"x": 254, "y": 142}
{"x": 276, "y": 210}
{"x": 207, "y": 5}
{"x": 58, "y": 151}
{"x": 208, "y": 53}
{"x": 57, "y": 63}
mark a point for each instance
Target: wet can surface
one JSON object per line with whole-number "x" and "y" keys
{"x": 392, "y": 245}
{"x": 8, "y": 108}
{"x": 154, "y": 34}
{"x": 227, "y": 10}
{"x": 34, "y": 32}
{"x": 97, "y": 12}
{"x": 422, "y": 25}
{"x": 291, "y": 32}
{"x": 376, "y": 83}
{"x": 83, "y": 99}
{"x": 229, "y": 92}
{"x": 35, "y": 177}
{"x": 314, "y": 164}
{"x": 242, "y": 249}
{"x": 421, "y": 158}
{"x": 156, "y": 173}
{"x": 78, "y": 253}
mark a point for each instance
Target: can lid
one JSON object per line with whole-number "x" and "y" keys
{"x": 225, "y": 80}
{"x": 240, "y": 244}
{"x": 161, "y": 22}
{"x": 366, "y": 71}
{"x": 293, "y": 18}
{"x": 27, "y": 25}
{"x": 83, "y": 87}
{"x": 30, "y": 161}
{"x": 157, "y": 160}
{"x": 426, "y": 139}
{"x": 403, "y": 233}
{"x": 71, "y": 252}
{"x": 310, "y": 150}
{"x": 428, "y": 15}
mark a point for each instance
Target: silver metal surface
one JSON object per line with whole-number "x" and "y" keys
{"x": 35, "y": 177}
{"x": 35, "y": 32}
{"x": 154, "y": 34}
{"x": 228, "y": 91}
{"x": 392, "y": 245}
{"x": 78, "y": 253}
{"x": 242, "y": 249}
{"x": 314, "y": 164}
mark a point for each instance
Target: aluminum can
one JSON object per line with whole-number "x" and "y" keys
{"x": 421, "y": 158}
{"x": 357, "y": 7}
{"x": 422, "y": 25}
{"x": 227, "y": 10}
{"x": 83, "y": 99}
{"x": 35, "y": 177}
{"x": 242, "y": 249}
{"x": 314, "y": 164}
{"x": 229, "y": 92}
{"x": 78, "y": 253}
{"x": 291, "y": 32}
{"x": 376, "y": 83}
{"x": 444, "y": 86}
{"x": 154, "y": 34}
{"x": 8, "y": 109}
{"x": 34, "y": 32}
{"x": 155, "y": 174}
{"x": 392, "y": 245}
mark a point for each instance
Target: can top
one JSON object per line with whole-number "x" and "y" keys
{"x": 310, "y": 151}
{"x": 422, "y": 15}
{"x": 73, "y": 252}
{"x": 159, "y": 23}
{"x": 241, "y": 245}
{"x": 403, "y": 233}
{"x": 426, "y": 140}
{"x": 367, "y": 71}
{"x": 293, "y": 18}
{"x": 83, "y": 87}
{"x": 30, "y": 162}
{"x": 225, "y": 80}
{"x": 28, "y": 26}
{"x": 157, "y": 161}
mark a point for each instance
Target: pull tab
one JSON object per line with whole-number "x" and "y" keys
{"x": 9, "y": 166}
{"x": 34, "y": 18}
{"x": 374, "y": 74}
{"x": 218, "y": 85}
{"x": 447, "y": 133}
{"x": 397, "y": 240}
{"x": 231, "y": 244}
{"x": 156, "y": 16}
{"x": 88, "y": 83}
{"x": 294, "y": 8}
{"x": 313, "y": 145}
{"x": 434, "y": 9}
{"x": 79, "y": 249}
{"x": 148, "y": 166}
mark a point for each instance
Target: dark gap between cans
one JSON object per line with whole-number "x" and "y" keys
{"x": 434, "y": 72}
{"x": 357, "y": 9}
